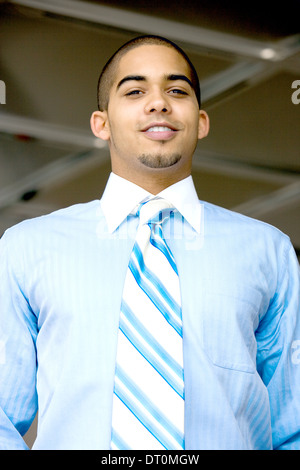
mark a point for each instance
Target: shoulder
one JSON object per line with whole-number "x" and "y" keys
{"x": 229, "y": 219}
{"x": 245, "y": 233}
{"x": 59, "y": 221}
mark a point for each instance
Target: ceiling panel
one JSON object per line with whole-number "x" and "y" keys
{"x": 267, "y": 20}
{"x": 258, "y": 124}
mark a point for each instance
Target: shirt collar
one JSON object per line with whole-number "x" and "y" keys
{"x": 121, "y": 197}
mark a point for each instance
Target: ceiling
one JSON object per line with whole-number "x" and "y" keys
{"x": 247, "y": 57}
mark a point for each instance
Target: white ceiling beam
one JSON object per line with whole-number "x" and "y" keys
{"x": 14, "y": 124}
{"x": 60, "y": 170}
{"x": 189, "y": 34}
{"x": 221, "y": 164}
{"x": 279, "y": 199}
{"x": 240, "y": 72}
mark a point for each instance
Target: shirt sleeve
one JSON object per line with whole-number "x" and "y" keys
{"x": 18, "y": 331}
{"x": 278, "y": 357}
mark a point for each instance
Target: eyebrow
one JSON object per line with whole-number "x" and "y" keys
{"x": 140, "y": 78}
{"x": 135, "y": 78}
{"x": 175, "y": 77}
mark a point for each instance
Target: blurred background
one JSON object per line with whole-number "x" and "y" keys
{"x": 247, "y": 55}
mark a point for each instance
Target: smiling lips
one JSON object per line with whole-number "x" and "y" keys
{"x": 160, "y": 131}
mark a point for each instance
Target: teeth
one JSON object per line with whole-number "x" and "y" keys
{"x": 158, "y": 129}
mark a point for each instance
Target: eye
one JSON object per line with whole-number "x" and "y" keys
{"x": 133, "y": 93}
{"x": 178, "y": 91}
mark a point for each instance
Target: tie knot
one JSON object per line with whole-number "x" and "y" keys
{"x": 154, "y": 210}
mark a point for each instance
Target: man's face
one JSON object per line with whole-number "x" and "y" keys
{"x": 153, "y": 118}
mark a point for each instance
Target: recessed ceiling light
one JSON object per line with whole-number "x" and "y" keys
{"x": 268, "y": 53}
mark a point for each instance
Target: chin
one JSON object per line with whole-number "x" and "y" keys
{"x": 159, "y": 161}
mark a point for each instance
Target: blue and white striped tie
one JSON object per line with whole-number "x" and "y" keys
{"x": 148, "y": 401}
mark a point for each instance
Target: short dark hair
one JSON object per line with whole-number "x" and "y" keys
{"x": 107, "y": 75}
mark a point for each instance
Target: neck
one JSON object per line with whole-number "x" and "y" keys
{"x": 153, "y": 180}
{"x": 154, "y": 183}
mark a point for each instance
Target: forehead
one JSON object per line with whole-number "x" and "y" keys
{"x": 152, "y": 61}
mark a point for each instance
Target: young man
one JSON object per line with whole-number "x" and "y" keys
{"x": 63, "y": 276}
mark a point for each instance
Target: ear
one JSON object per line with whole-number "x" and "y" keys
{"x": 100, "y": 125}
{"x": 203, "y": 127}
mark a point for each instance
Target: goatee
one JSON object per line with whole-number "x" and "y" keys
{"x": 159, "y": 160}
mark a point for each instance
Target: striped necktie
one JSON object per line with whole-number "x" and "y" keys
{"x": 148, "y": 400}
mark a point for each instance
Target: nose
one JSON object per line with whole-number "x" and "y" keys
{"x": 157, "y": 102}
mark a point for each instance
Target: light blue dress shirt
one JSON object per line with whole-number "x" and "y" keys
{"x": 61, "y": 285}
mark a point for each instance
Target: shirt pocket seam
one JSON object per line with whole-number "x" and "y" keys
{"x": 214, "y": 351}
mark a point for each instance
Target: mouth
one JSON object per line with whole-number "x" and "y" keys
{"x": 160, "y": 131}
